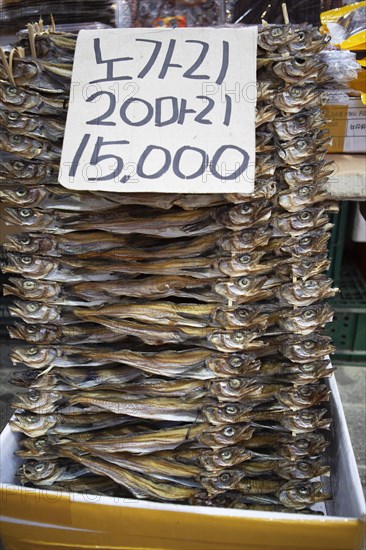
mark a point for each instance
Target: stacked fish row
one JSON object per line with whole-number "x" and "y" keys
{"x": 173, "y": 342}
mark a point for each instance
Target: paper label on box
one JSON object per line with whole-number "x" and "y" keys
{"x": 162, "y": 110}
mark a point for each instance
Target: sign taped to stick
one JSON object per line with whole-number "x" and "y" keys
{"x": 162, "y": 110}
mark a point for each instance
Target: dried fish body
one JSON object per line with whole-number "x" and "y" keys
{"x": 296, "y": 125}
{"x": 36, "y": 425}
{"x": 29, "y": 147}
{"x": 25, "y": 171}
{"x": 47, "y": 473}
{"x": 18, "y": 99}
{"x": 307, "y": 319}
{"x": 304, "y": 174}
{"x": 32, "y": 125}
{"x": 290, "y": 225}
{"x": 305, "y": 293}
{"x": 248, "y": 289}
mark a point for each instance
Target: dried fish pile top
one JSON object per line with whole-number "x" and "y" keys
{"x": 173, "y": 343}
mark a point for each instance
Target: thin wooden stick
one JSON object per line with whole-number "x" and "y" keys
{"x": 285, "y": 14}
{"x": 6, "y": 67}
{"x": 53, "y": 26}
{"x": 32, "y": 41}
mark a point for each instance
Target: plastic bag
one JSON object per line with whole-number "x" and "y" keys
{"x": 299, "y": 11}
{"x": 341, "y": 65}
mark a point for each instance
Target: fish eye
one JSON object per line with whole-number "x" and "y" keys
{"x": 303, "y": 491}
{"x": 29, "y": 285}
{"x": 30, "y": 329}
{"x": 229, "y": 431}
{"x": 32, "y": 307}
{"x": 24, "y": 239}
{"x": 225, "y": 477}
{"x": 231, "y": 410}
{"x": 245, "y": 258}
{"x": 29, "y": 419}
{"x": 20, "y": 191}
{"x": 25, "y": 212}
{"x": 32, "y": 351}
{"x": 33, "y": 395}
{"x": 303, "y": 466}
{"x": 235, "y": 362}
{"x": 308, "y": 367}
{"x": 12, "y": 91}
{"x": 310, "y": 284}
{"x": 305, "y": 392}
{"x": 246, "y": 209}
{"x": 40, "y": 443}
{"x": 303, "y": 444}
{"x": 40, "y": 467}
{"x": 299, "y": 61}
{"x": 301, "y": 36}
{"x": 305, "y": 241}
{"x": 301, "y": 120}
{"x": 26, "y": 260}
{"x": 306, "y": 415}
{"x": 308, "y": 169}
{"x": 226, "y": 455}
{"x": 18, "y": 165}
{"x": 276, "y": 31}
{"x": 307, "y": 264}
{"x": 309, "y": 314}
{"x": 243, "y": 282}
{"x": 13, "y": 116}
{"x": 234, "y": 383}
{"x": 238, "y": 337}
{"x": 16, "y": 138}
{"x": 301, "y": 144}
{"x": 309, "y": 344}
{"x": 304, "y": 216}
{"x": 295, "y": 92}
{"x": 304, "y": 191}
{"x": 242, "y": 312}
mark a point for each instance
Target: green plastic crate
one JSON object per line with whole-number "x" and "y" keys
{"x": 348, "y": 329}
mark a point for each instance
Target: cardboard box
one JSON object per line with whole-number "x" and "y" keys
{"x": 347, "y": 124}
{"x": 33, "y": 520}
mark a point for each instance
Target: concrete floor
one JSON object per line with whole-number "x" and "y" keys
{"x": 351, "y": 383}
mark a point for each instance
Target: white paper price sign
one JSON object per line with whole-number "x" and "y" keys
{"x": 162, "y": 110}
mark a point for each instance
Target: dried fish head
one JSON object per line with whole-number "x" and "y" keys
{"x": 22, "y": 195}
{"x": 307, "y": 292}
{"x": 224, "y": 436}
{"x": 246, "y": 264}
{"x": 286, "y": 225}
{"x": 314, "y": 242}
{"x": 235, "y": 364}
{"x": 24, "y": 378}
{"x": 309, "y": 348}
{"x": 306, "y": 173}
{"x": 32, "y": 425}
{"x": 34, "y": 219}
{"x": 245, "y": 215}
{"x": 299, "y": 495}
{"x": 29, "y": 289}
{"x": 295, "y": 98}
{"x": 306, "y": 421}
{"x": 245, "y": 289}
{"x": 36, "y": 401}
{"x": 213, "y": 460}
{"x": 243, "y": 316}
{"x": 246, "y": 240}
{"x": 28, "y": 243}
{"x": 303, "y": 396}
{"x": 271, "y": 37}
{"x": 306, "y": 445}
{"x": 221, "y": 482}
{"x": 36, "y": 334}
{"x": 34, "y": 356}
{"x": 37, "y": 471}
{"x": 35, "y": 312}
{"x": 235, "y": 341}
{"x": 300, "y": 69}
{"x": 302, "y": 197}
{"x": 297, "y": 124}
{"x": 306, "y": 320}
{"x": 313, "y": 266}
{"x": 31, "y": 266}
{"x": 229, "y": 413}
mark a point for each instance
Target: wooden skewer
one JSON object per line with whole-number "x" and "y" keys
{"x": 285, "y": 14}
{"x": 6, "y": 67}
{"x": 32, "y": 41}
{"x": 53, "y": 26}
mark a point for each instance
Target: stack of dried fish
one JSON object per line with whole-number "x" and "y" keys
{"x": 173, "y": 343}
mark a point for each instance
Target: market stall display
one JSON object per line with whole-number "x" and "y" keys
{"x": 174, "y": 343}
